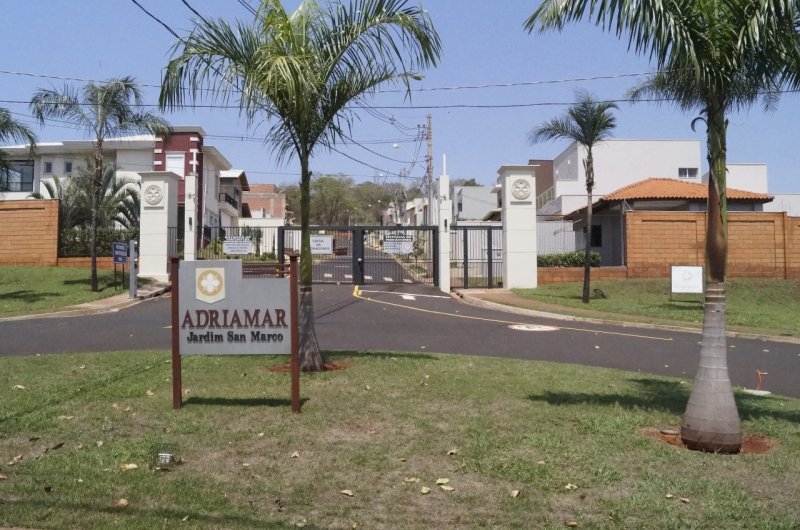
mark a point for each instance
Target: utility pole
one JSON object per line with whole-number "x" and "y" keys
{"x": 429, "y": 171}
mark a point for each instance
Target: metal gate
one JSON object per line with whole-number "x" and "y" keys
{"x": 476, "y": 256}
{"x": 365, "y": 255}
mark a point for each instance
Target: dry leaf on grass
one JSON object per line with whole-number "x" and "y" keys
{"x": 670, "y": 496}
{"x": 411, "y": 479}
{"x": 150, "y": 393}
{"x": 684, "y": 500}
{"x": 571, "y": 487}
{"x": 295, "y": 455}
{"x": 122, "y": 503}
{"x": 126, "y": 467}
{"x": 15, "y": 460}
{"x": 515, "y": 493}
{"x": 452, "y": 451}
{"x": 446, "y": 488}
{"x": 3, "y": 477}
{"x": 425, "y": 490}
{"x": 65, "y": 418}
{"x": 19, "y": 387}
{"x": 440, "y": 481}
{"x": 99, "y": 443}
{"x": 571, "y": 523}
{"x": 349, "y": 493}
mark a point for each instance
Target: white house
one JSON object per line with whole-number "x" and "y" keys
{"x": 214, "y": 194}
{"x": 472, "y": 202}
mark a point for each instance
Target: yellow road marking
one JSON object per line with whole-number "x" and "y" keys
{"x": 357, "y": 294}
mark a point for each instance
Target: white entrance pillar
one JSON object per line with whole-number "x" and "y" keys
{"x": 191, "y": 223}
{"x": 159, "y": 212}
{"x": 518, "y": 185}
{"x": 445, "y": 217}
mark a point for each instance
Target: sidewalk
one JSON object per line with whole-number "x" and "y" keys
{"x": 112, "y": 303}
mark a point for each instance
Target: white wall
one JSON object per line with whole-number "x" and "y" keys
{"x": 618, "y": 163}
{"x": 785, "y": 202}
{"x": 746, "y": 177}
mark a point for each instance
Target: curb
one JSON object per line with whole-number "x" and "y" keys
{"x": 477, "y": 301}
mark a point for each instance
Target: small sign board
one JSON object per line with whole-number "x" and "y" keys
{"x": 398, "y": 243}
{"x": 686, "y": 279}
{"x": 120, "y": 252}
{"x": 237, "y": 245}
{"x": 321, "y": 245}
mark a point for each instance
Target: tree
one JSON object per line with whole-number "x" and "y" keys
{"x": 106, "y": 110}
{"x": 588, "y": 123}
{"x": 303, "y": 70}
{"x": 11, "y": 129}
{"x": 715, "y": 56}
{"x": 330, "y": 198}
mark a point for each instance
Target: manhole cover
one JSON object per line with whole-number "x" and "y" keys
{"x": 532, "y": 327}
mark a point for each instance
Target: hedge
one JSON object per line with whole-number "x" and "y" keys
{"x": 568, "y": 259}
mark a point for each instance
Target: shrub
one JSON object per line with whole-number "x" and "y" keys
{"x": 568, "y": 259}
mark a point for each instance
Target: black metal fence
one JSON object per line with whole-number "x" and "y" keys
{"x": 365, "y": 255}
{"x": 476, "y": 256}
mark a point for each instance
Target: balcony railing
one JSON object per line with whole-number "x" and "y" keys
{"x": 224, "y": 197}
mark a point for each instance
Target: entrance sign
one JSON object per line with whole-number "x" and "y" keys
{"x": 216, "y": 311}
{"x": 398, "y": 243}
{"x": 321, "y": 245}
{"x": 687, "y": 279}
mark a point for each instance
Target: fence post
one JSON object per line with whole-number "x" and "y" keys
{"x": 280, "y": 249}
{"x": 489, "y": 258}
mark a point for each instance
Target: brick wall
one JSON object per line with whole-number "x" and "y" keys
{"x": 760, "y": 244}
{"x": 29, "y": 232}
{"x": 548, "y": 275}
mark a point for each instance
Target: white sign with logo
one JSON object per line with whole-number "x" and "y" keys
{"x": 222, "y": 313}
{"x": 687, "y": 279}
{"x": 398, "y": 243}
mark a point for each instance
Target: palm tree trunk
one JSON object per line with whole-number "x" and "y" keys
{"x": 310, "y": 355}
{"x": 711, "y": 420}
{"x": 97, "y": 175}
{"x": 587, "y": 255}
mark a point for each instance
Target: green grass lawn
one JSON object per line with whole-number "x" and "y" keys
{"x": 757, "y": 305}
{"x": 571, "y": 440}
{"x": 28, "y": 290}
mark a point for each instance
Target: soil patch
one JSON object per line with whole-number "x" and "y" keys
{"x": 328, "y": 367}
{"x": 751, "y": 443}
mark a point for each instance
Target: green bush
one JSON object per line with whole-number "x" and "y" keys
{"x": 568, "y": 259}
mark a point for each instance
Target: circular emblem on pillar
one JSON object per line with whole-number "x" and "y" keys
{"x": 153, "y": 194}
{"x": 520, "y": 189}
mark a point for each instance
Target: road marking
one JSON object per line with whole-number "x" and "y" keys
{"x": 406, "y": 280}
{"x": 327, "y": 275}
{"x": 348, "y": 276}
{"x": 387, "y": 279}
{"x": 532, "y": 327}
{"x": 357, "y": 294}
{"x": 367, "y": 277}
{"x": 408, "y": 297}
{"x": 401, "y": 294}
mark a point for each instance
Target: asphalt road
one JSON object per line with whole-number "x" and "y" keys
{"x": 417, "y": 318}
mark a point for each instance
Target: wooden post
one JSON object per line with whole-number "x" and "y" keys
{"x": 176, "y": 343}
{"x": 295, "y": 354}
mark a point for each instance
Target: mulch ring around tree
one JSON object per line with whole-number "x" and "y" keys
{"x": 327, "y": 367}
{"x": 755, "y": 444}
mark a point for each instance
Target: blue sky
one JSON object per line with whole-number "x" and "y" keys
{"x": 483, "y": 44}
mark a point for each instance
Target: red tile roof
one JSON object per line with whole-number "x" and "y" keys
{"x": 663, "y": 189}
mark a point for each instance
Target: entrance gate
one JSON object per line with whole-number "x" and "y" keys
{"x": 476, "y": 256}
{"x": 364, "y": 255}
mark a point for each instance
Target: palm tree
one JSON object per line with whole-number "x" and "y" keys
{"x": 302, "y": 71}
{"x": 715, "y": 56}
{"x": 588, "y": 123}
{"x": 105, "y": 109}
{"x": 69, "y": 209}
{"x": 11, "y": 129}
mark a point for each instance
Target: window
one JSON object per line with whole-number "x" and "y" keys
{"x": 48, "y": 167}
{"x": 597, "y": 235}
{"x": 687, "y": 172}
{"x": 19, "y": 176}
{"x": 175, "y": 163}
{"x": 67, "y": 167}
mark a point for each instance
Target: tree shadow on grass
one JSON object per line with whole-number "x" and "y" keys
{"x": 241, "y": 402}
{"x": 28, "y": 296}
{"x": 342, "y": 355}
{"x": 664, "y": 396}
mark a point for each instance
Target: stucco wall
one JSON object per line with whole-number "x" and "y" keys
{"x": 29, "y": 232}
